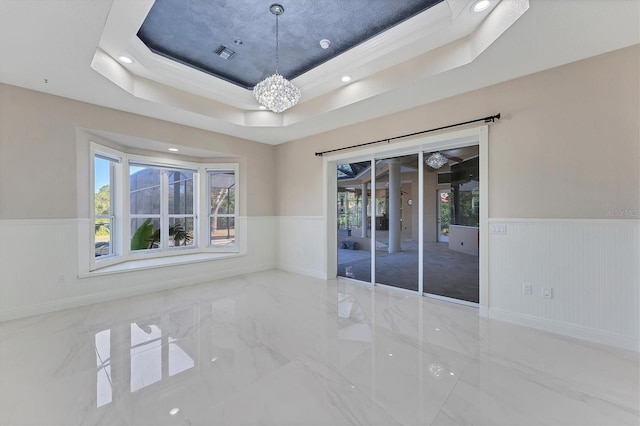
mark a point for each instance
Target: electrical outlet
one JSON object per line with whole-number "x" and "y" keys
{"x": 61, "y": 278}
{"x": 498, "y": 228}
{"x": 547, "y": 293}
{"x": 526, "y": 288}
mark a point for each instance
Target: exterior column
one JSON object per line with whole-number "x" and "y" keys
{"x": 395, "y": 213}
{"x": 364, "y": 210}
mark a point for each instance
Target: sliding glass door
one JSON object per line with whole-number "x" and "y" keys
{"x": 452, "y": 223}
{"x": 412, "y": 221}
{"x": 396, "y": 222}
{"x": 354, "y": 220}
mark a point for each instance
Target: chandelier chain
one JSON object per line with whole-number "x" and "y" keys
{"x": 277, "y": 46}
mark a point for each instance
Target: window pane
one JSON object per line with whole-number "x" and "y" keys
{"x": 144, "y": 189}
{"x": 103, "y": 208}
{"x": 222, "y": 230}
{"x": 103, "y": 237}
{"x": 222, "y": 192}
{"x": 145, "y": 233}
{"x": 180, "y": 192}
{"x": 181, "y": 231}
{"x": 102, "y": 180}
{"x": 465, "y": 189}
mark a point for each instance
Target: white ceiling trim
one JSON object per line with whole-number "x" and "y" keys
{"x": 48, "y": 46}
{"x": 441, "y": 41}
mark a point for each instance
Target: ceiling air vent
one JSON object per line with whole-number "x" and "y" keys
{"x": 224, "y": 52}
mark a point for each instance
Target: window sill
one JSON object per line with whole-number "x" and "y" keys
{"x": 158, "y": 262}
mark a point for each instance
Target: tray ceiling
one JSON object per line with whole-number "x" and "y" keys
{"x": 236, "y": 40}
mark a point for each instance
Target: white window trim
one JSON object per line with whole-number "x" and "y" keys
{"x": 204, "y": 223}
{"x": 116, "y": 181}
{"x": 122, "y": 222}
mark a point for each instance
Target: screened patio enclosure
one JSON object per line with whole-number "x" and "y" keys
{"x": 378, "y": 214}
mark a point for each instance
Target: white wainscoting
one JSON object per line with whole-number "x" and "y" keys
{"x": 39, "y": 267}
{"x": 592, "y": 266}
{"x": 301, "y": 245}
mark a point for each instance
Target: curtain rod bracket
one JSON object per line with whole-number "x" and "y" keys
{"x": 492, "y": 119}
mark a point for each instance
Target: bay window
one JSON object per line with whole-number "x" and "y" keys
{"x": 159, "y": 207}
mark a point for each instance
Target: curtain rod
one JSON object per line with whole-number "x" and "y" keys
{"x": 489, "y": 119}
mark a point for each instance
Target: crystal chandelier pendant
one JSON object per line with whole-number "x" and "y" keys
{"x": 276, "y": 92}
{"x": 436, "y": 160}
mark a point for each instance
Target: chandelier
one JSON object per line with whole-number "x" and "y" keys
{"x": 276, "y": 92}
{"x": 436, "y": 160}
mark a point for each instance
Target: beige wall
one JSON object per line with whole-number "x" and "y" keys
{"x": 567, "y": 145}
{"x": 38, "y": 150}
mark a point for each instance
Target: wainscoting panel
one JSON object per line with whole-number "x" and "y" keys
{"x": 591, "y": 267}
{"x": 39, "y": 264}
{"x": 301, "y": 245}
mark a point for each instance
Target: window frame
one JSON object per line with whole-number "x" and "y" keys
{"x": 111, "y": 214}
{"x": 164, "y": 216}
{"x": 233, "y": 247}
{"x": 115, "y": 188}
{"x": 120, "y": 203}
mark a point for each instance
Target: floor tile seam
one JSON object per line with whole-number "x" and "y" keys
{"x": 414, "y": 341}
{"x": 335, "y": 369}
{"x": 557, "y": 385}
{"x": 462, "y": 379}
{"x": 500, "y": 358}
{"x": 567, "y": 383}
{"x": 103, "y": 363}
{"x": 248, "y": 387}
{"x": 449, "y": 395}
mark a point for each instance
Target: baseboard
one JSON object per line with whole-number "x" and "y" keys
{"x": 569, "y": 330}
{"x": 302, "y": 271}
{"x": 76, "y": 302}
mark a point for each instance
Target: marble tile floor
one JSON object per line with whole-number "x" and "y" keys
{"x": 276, "y": 348}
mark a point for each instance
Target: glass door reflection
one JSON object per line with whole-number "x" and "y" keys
{"x": 354, "y": 220}
{"x": 451, "y": 223}
{"x": 396, "y": 222}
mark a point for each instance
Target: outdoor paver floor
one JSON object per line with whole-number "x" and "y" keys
{"x": 447, "y": 272}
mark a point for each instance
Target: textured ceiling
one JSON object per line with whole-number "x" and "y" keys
{"x": 190, "y": 31}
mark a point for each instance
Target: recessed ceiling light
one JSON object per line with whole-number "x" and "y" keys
{"x": 262, "y": 107}
{"x": 390, "y": 354}
{"x": 174, "y": 411}
{"x": 173, "y": 149}
{"x": 481, "y": 5}
{"x": 125, "y": 59}
{"x": 346, "y": 78}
